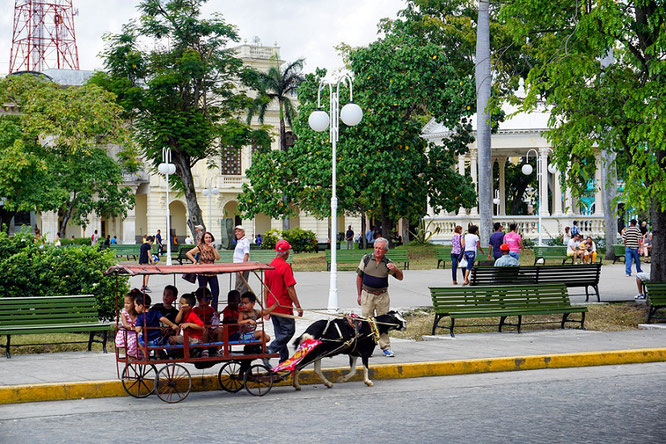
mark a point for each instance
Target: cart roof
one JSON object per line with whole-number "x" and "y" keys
{"x": 134, "y": 270}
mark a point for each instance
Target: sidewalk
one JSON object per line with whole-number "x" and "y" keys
{"x": 467, "y": 353}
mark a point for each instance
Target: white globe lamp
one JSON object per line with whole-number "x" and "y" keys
{"x": 318, "y": 120}
{"x": 351, "y": 114}
{"x": 527, "y": 169}
{"x": 552, "y": 168}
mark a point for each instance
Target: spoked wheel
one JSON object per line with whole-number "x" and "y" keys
{"x": 230, "y": 377}
{"x": 258, "y": 380}
{"x": 173, "y": 383}
{"x": 139, "y": 380}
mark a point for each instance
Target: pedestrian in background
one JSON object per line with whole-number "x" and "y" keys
{"x": 515, "y": 241}
{"x": 471, "y": 245}
{"x": 207, "y": 254}
{"x": 457, "y": 245}
{"x": 241, "y": 254}
{"x": 632, "y": 243}
{"x": 349, "y": 237}
{"x": 496, "y": 240}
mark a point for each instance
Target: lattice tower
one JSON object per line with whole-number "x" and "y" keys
{"x": 43, "y": 36}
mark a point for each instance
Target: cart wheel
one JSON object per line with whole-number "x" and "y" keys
{"x": 173, "y": 383}
{"x": 258, "y": 380}
{"x": 230, "y": 377}
{"x": 139, "y": 380}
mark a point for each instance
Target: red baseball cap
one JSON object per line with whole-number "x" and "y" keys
{"x": 282, "y": 245}
{"x": 504, "y": 247}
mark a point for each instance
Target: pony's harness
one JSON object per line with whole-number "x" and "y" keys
{"x": 352, "y": 342}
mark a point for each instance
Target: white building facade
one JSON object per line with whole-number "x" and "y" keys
{"x": 519, "y": 134}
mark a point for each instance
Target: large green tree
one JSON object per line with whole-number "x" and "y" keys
{"x": 181, "y": 87}
{"x": 385, "y": 167}
{"x": 617, "y": 107}
{"x": 51, "y": 151}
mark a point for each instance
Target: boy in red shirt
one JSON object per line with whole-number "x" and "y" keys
{"x": 230, "y": 314}
{"x": 188, "y": 321}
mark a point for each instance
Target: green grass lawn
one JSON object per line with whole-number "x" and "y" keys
{"x": 600, "y": 317}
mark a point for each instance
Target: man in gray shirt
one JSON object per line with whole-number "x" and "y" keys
{"x": 505, "y": 260}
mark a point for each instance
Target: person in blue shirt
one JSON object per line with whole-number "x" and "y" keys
{"x": 148, "y": 322}
{"x": 496, "y": 239}
{"x": 114, "y": 240}
{"x": 505, "y": 260}
{"x": 574, "y": 229}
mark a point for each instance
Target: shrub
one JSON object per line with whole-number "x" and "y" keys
{"x": 30, "y": 268}
{"x": 270, "y": 239}
{"x": 301, "y": 240}
{"x": 76, "y": 241}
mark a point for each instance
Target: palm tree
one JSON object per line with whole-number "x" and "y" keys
{"x": 278, "y": 85}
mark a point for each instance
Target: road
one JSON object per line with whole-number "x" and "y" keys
{"x": 593, "y": 404}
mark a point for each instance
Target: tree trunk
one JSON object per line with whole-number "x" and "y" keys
{"x": 609, "y": 190}
{"x": 483, "y": 91}
{"x": 283, "y": 129}
{"x": 364, "y": 228}
{"x": 184, "y": 171}
{"x": 658, "y": 268}
{"x": 386, "y": 224}
{"x": 66, "y": 216}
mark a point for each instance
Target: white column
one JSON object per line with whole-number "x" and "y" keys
{"x": 473, "y": 162}
{"x": 598, "y": 204}
{"x": 543, "y": 183}
{"x": 50, "y": 225}
{"x": 461, "y": 170}
{"x": 129, "y": 227}
{"x": 557, "y": 194}
{"x": 502, "y": 186}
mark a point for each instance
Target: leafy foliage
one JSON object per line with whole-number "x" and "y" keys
{"x": 302, "y": 241}
{"x": 270, "y": 239}
{"x": 51, "y": 155}
{"x": 32, "y": 268}
{"x": 181, "y": 91}
{"x": 384, "y": 167}
{"x": 617, "y": 106}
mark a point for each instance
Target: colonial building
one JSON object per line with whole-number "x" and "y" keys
{"x": 520, "y": 136}
{"x": 221, "y": 209}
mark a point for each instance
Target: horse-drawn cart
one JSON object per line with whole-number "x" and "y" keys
{"x": 162, "y": 369}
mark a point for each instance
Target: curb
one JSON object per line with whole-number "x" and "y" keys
{"x": 103, "y": 389}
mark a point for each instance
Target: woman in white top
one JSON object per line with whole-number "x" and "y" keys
{"x": 471, "y": 245}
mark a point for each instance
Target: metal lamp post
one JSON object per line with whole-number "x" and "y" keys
{"x": 210, "y": 191}
{"x": 351, "y": 114}
{"x": 527, "y": 169}
{"x": 167, "y": 168}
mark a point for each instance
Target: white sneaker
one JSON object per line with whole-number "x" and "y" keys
{"x": 639, "y": 297}
{"x": 204, "y": 353}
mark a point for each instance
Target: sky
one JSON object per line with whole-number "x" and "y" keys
{"x": 301, "y": 28}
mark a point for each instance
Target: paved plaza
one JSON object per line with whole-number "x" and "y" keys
{"x": 412, "y": 291}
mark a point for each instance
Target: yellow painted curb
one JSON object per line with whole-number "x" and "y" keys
{"x": 103, "y": 389}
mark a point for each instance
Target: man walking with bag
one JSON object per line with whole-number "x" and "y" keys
{"x": 372, "y": 286}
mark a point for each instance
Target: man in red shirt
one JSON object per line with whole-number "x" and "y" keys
{"x": 280, "y": 284}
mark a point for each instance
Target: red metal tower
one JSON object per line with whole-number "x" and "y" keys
{"x": 43, "y": 36}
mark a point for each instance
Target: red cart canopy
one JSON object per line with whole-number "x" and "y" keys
{"x": 134, "y": 270}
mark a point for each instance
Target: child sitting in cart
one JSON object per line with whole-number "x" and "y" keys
{"x": 188, "y": 321}
{"x": 230, "y": 314}
{"x": 148, "y": 322}
{"x": 126, "y": 336}
{"x": 207, "y": 314}
{"x": 247, "y": 319}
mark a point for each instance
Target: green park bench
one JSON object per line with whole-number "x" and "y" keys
{"x": 181, "y": 255}
{"x": 545, "y": 252}
{"x": 442, "y": 254}
{"x": 264, "y": 256}
{"x": 618, "y": 251}
{"x": 584, "y": 275}
{"x": 656, "y": 296}
{"x": 51, "y": 314}
{"x": 502, "y": 301}
{"x": 126, "y": 250}
{"x": 353, "y": 257}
